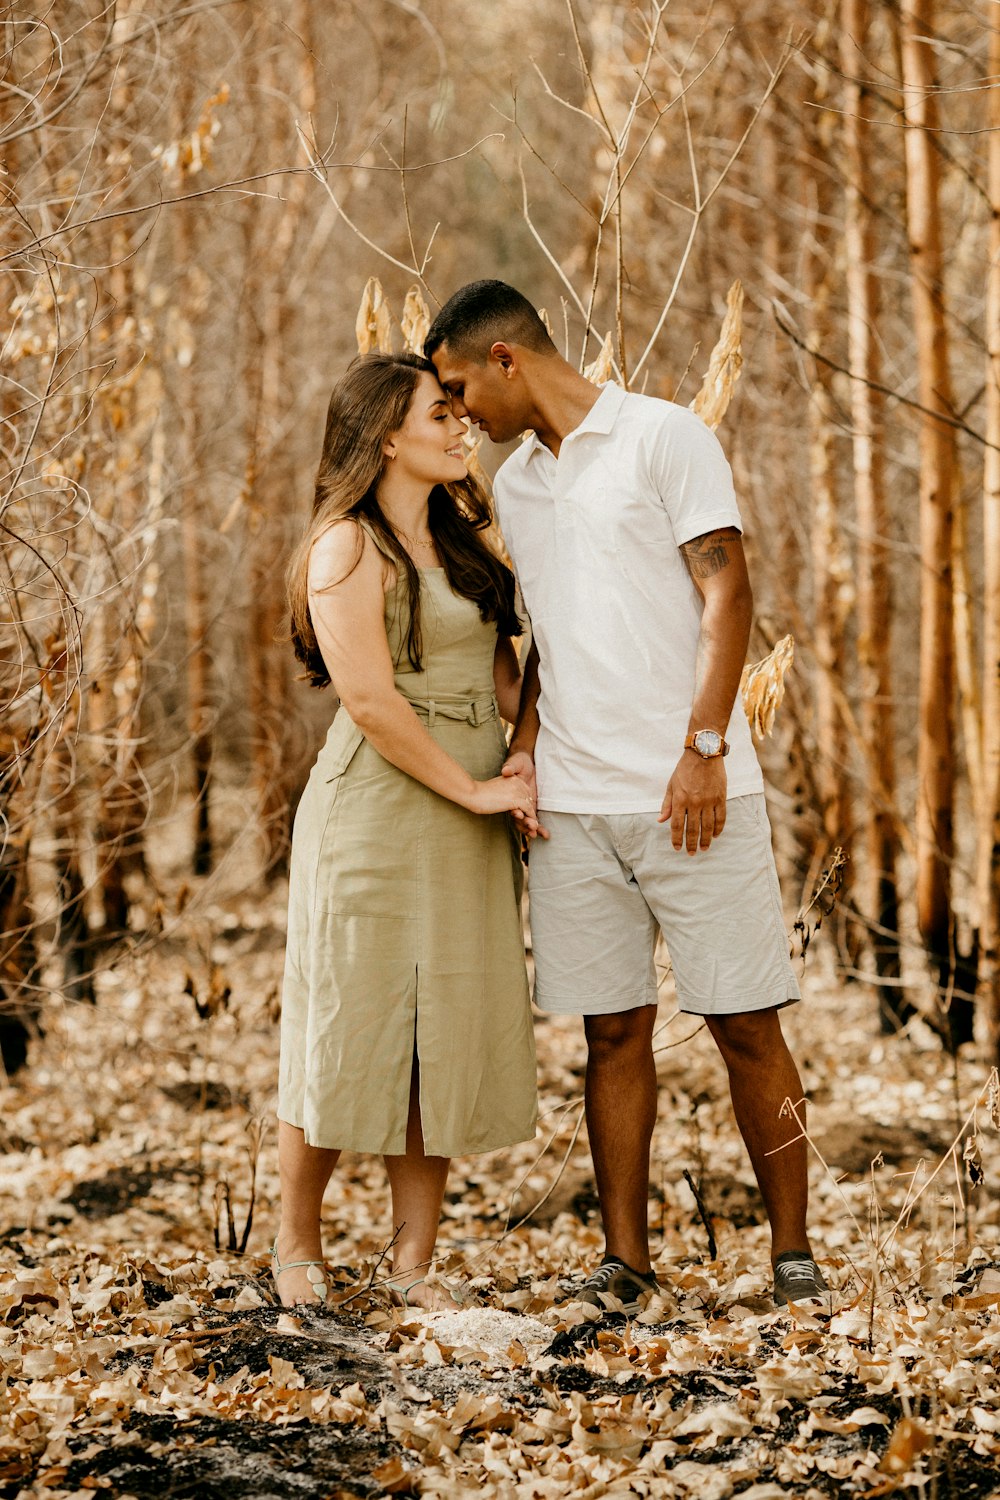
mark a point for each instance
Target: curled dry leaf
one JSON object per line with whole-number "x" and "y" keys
{"x": 100, "y": 1331}
{"x": 374, "y": 322}
{"x": 908, "y": 1441}
{"x": 712, "y": 401}
{"x": 600, "y": 369}
{"x": 394, "y": 1478}
{"x": 864, "y": 1416}
{"x": 415, "y": 322}
{"x": 187, "y": 156}
{"x": 720, "y": 1420}
{"x": 762, "y": 686}
{"x": 973, "y": 1159}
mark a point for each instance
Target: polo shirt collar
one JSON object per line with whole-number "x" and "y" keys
{"x": 600, "y": 418}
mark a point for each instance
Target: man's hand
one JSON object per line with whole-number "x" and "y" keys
{"x": 695, "y": 802}
{"x": 520, "y": 763}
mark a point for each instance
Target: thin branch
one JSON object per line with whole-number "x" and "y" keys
{"x": 784, "y": 323}
{"x": 540, "y": 242}
{"x": 313, "y": 169}
{"x": 788, "y": 52}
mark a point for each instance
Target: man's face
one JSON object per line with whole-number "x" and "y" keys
{"x": 489, "y": 395}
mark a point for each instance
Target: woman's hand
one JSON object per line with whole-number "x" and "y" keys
{"x": 503, "y": 794}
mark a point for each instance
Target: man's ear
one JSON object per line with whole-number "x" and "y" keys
{"x": 505, "y": 356}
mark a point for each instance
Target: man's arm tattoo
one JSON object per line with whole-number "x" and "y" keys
{"x": 706, "y": 555}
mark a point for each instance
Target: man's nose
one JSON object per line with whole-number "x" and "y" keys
{"x": 459, "y": 408}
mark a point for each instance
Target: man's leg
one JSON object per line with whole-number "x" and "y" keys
{"x": 621, "y": 1112}
{"x": 762, "y": 1075}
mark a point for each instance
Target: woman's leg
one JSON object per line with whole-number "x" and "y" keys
{"x": 305, "y": 1172}
{"x": 417, "y": 1184}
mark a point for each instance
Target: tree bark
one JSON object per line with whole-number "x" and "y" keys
{"x": 832, "y": 572}
{"x": 938, "y": 468}
{"x": 271, "y": 476}
{"x": 187, "y": 400}
{"x": 877, "y": 889}
{"x": 988, "y": 816}
{"x": 113, "y": 663}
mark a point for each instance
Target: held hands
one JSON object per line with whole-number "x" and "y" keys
{"x": 519, "y": 766}
{"x": 503, "y": 794}
{"x": 695, "y": 802}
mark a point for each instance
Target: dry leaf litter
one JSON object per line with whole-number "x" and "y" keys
{"x": 142, "y": 1354}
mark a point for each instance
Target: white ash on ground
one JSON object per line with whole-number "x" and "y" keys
{"x": 486, "y": 1328}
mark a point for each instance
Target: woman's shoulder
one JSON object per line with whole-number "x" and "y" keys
{"x": 350, "y": 546}
{"x": 338, "y": 548}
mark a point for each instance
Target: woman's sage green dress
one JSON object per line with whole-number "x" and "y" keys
{"x": 404, "y": 926}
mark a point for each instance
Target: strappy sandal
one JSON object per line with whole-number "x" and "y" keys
{"x": 404, "y": 1291}
{"x": 315, "y": 1271}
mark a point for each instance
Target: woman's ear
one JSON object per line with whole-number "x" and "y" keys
{"x": 389, "y": 448}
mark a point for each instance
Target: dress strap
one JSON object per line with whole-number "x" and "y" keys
{"x": 370, "y": 532}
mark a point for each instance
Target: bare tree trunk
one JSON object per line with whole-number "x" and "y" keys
{"x": 878, "y": 890}
{"x": 988, "y": 815}
{"x": 270, "y": 476}
{"x": 123, "y": 802}
{"x": 832, "y": 573}
{"x": 76, "y": 946}
{"x": 938, "y": 471}
{"x": 114, "y": 666}
{"x": 189, "y": 408}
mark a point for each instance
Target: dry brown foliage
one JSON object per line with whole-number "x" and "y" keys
{"x": 762, "y": 686}
{"x": 136, "y": 1353}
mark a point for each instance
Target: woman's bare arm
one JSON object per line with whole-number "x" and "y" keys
{"x": 347, "y": 603}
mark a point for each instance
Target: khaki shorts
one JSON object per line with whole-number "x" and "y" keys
{"x": 601, "y": 885}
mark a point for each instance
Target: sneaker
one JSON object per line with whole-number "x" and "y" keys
{"x": 613, "y": 1278}
{"x": 797, "y": 1278}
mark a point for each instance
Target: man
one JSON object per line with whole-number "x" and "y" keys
{"x": 621, "y": 521}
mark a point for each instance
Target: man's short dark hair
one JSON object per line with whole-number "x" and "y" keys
{"x": 482, "y": 312}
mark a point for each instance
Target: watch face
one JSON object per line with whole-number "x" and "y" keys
{"x": 707, "y": 742}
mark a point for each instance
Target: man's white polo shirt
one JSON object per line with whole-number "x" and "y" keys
{"x": 594, "y": 537}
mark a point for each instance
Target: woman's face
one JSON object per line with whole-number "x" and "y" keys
{"x": 428, "y": 446}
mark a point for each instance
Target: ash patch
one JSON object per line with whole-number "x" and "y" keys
{"x": 100, "y": 1197}
{"x": 217, "y": 1460}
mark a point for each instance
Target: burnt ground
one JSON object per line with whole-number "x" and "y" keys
{"x": 159, "y": 1455}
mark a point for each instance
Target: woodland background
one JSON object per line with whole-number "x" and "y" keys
{"x": 196, "y": 197}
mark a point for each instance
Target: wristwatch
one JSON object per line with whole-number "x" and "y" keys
{"x": 706, "y": 743}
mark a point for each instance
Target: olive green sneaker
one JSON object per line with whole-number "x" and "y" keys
{"x": 797, "y": 1278}
{"x": 613, "y": 1278}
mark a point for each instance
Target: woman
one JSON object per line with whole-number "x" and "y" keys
{"x": 405, "y": 1027}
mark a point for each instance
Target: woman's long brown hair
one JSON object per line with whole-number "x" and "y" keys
{"x": 368, "y": 404}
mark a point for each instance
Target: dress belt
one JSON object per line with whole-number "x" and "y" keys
{"x": 473, "y": 711}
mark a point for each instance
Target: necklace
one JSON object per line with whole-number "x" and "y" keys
{"x": 414, "y": 541}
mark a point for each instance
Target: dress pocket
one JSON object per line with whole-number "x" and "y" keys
{"x": 342, "y": 744}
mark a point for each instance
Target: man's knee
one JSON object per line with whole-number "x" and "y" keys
{"x": 612, "y": 1036}
{"x": 752, "y": 1037}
